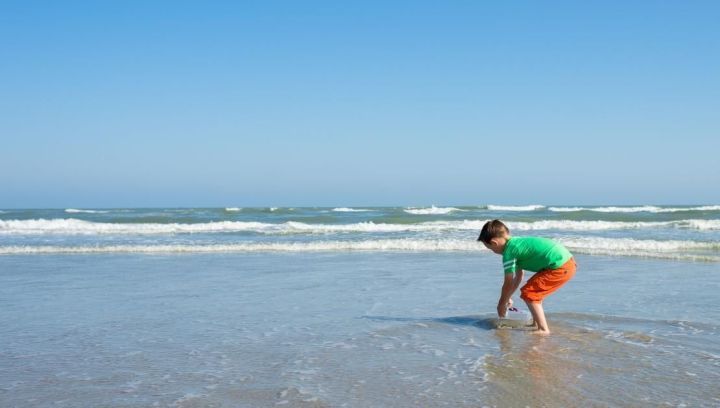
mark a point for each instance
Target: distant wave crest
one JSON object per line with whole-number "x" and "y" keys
{"x": 515, "y": 207}
{"x": 73, "y": 226}
{"x": 76, "y": 211}
{"x": 564, "y": 225}
{"x": 644, "y": 208}
{"x": 431, "y": 211}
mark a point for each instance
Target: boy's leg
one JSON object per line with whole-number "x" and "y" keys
{"x": 541, "y": 285}
{"x": 538, "y": 314}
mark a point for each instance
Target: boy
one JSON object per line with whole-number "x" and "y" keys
{"x": 553, "y": 263}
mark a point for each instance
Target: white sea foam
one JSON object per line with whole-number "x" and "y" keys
{"x": 644, "y": 208}
{"x": 233, "y": 209}
{"x": 324, "y": 246}
{"x": 700, "y": 224}
{"x": 515, "y": 207}
{"x": 681, "y": 250}
{"x": 650, "y": 248}
{"x": 76, "y": 211}
{"x": 72, "y": 226}
{"x": 75, "y": 227}
{"x": 346, "y": 209}
{"x": 566, "y": 209}
{"x": 431, "y": 211}
{"x": 564, "y": 225}
{"x": 703, "y": 208}
{"x": 79, "y": 227}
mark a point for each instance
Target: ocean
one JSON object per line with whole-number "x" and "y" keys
{"x": 352, "y": 307}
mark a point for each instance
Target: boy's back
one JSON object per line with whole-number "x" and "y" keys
{"x": 533, "y": 254}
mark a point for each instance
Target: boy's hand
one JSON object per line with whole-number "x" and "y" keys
{"x": 502, "y": 311}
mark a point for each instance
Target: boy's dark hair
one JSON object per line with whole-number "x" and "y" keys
{"x": 493, "y": 229}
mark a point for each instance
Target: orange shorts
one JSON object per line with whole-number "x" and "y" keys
{"x": 547, "y": 281}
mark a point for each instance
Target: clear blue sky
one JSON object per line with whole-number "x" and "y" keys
{"x": 290, "y": 103}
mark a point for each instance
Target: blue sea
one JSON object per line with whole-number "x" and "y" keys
{"x": 352, "y": 307}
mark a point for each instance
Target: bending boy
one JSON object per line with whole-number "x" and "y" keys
{"x": 553, "y": 263}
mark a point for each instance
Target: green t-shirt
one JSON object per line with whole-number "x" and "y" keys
{"x": 533, "y": 254}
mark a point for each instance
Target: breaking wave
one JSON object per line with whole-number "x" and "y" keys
{"x": 431, "y": 211}
{"x": 76, "y": 211}
{"x": 73, "y": 226}
{"x": 515, "y": 207}
{"x": 680, "y": 250}
{"x": 673, "y": 249}
{"x": 644, "y": 208}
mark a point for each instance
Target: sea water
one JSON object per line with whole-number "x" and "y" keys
{"x": 357, "y": 307}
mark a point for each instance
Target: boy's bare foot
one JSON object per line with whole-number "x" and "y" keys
{"x": 541, "y": 332}
{"x": 538, "y": 315}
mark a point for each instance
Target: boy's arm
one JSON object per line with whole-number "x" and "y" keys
{"x": 510, "y": 285}
{"x": 517, "y": 280}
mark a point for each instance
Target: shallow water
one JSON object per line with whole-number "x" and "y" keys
{"x": 350, "y": 329}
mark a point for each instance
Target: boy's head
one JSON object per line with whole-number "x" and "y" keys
{"x": 494, "y": 236}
